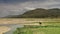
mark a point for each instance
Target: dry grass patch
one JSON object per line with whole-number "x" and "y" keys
{"x": 4, "y": 29}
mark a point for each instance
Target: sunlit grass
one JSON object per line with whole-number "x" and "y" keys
{"x": 39, "y": 30}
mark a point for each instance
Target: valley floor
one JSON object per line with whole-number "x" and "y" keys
{"x": 30, "y": 21}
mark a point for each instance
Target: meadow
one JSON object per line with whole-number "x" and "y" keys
{"x": 38, "y": 30}
{"x": 48, "y": 26}
{"x": 28, "y": 20}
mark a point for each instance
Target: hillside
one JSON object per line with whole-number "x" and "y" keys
{"x": 40, "y": 13}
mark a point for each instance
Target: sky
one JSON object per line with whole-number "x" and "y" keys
{"x": 16, "y": 7}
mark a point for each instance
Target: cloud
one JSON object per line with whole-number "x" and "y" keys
{"x": 29, "y": 8}
{"x": 39, "y": 4}
{"x": 16, "y": 7}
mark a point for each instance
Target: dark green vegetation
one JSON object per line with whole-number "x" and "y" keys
{"x": 40, "y": 13}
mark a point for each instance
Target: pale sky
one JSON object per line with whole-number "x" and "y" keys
{"x": 15, "y": 7}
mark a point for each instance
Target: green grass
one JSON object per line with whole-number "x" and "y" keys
{"x": 38, "y": 30}
{"x": 51, "y": 26}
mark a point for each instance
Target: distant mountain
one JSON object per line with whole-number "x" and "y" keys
{"x": 40, "y": 13}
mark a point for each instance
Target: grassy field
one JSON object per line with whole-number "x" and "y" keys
{"x": 27, "y": 20}
{"x": 48, "y": 26}
{"x": 38, "y": 30}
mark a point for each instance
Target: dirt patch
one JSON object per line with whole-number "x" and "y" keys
{"x": 3, "y": 29}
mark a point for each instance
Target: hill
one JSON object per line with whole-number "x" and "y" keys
{"x": 40, "y": 13}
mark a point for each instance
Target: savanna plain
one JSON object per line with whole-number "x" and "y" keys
{"x": 31, "y": 25}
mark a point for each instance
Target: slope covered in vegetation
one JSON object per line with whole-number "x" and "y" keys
{"x": 40, "y": 13}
